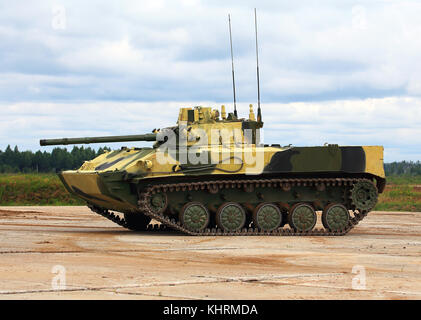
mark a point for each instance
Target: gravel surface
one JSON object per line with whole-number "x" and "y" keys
{"x": 72, "y": 253}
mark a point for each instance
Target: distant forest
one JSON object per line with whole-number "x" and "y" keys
{"x": 408, "y": 168}
{"x": 15, "y": 161}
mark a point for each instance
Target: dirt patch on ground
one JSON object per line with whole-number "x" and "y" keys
{"x": 101, "y": 260}
{"x": 15, "y": 212}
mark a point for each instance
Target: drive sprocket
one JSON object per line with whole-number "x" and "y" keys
{"x": 364, "y": 195}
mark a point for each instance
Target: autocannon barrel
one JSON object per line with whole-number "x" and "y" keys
{"x": 87, "y": 140}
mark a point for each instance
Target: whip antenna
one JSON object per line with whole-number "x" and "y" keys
{"x": 259, "y": 112}
{"x": 232, "y": 67}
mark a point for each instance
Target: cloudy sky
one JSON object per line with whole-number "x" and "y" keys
{"x": 346, "y": 72}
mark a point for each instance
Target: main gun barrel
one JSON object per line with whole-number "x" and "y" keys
{"x": 87, "y": 140}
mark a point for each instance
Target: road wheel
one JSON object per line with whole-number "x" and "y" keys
{"x": 335, "y": 217}
{"x": 267, "y": 216}
{"x": 231, "y": 217}
{"x": 194, "y": 216}
{"x": 302, "y": 217}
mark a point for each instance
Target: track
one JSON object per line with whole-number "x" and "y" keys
{"x": 171, "y": 223}
{"x": 122, "y": 222}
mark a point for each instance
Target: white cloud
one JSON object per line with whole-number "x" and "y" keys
{"x": 308, "y": 50}
{"x": 116, "y": 56}
{"x": 391, "y": 122}
{"x": 357, "y": 61}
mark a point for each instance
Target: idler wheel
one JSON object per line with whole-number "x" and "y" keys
{"x": 267, "y": 216}
{"x": 194, "y": 216}
{"x": 335, "y": 217}
{"x": 364, "y": 195}
{"x": 136, "y": 221}
{"x": 302, "y": 217}
{"x": 231, "y": 217}
{"x": 158, "y": 202}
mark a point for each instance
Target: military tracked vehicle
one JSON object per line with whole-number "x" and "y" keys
{"x": 210, "y": 175}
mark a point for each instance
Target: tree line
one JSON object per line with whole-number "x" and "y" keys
{"x": 409, "y": 168}
{"x": 15, "y": 161}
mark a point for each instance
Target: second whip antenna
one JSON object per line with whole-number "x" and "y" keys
{"x": 259, "y": 112}
{"x": 232, "y": 67}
